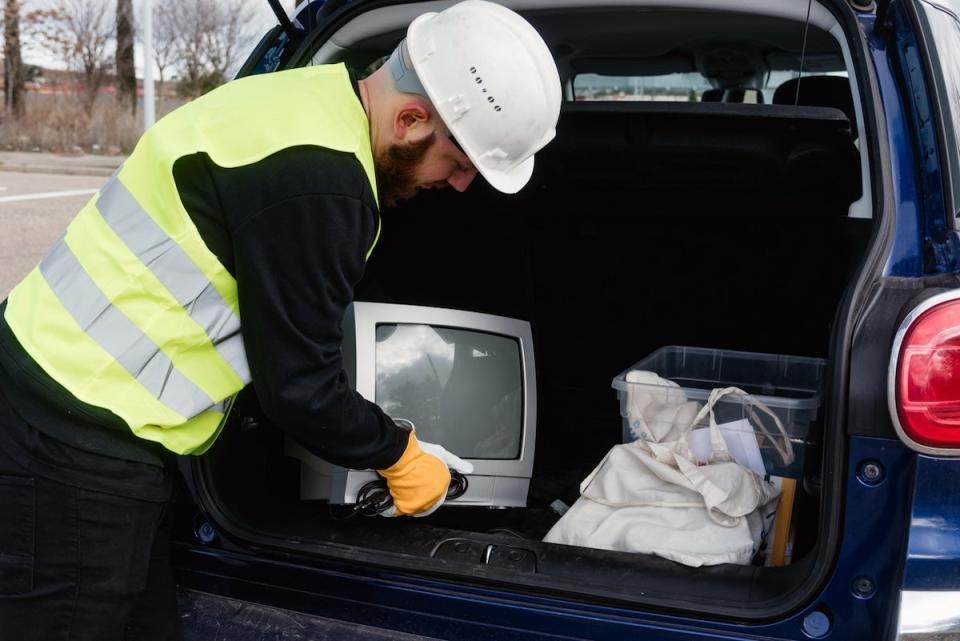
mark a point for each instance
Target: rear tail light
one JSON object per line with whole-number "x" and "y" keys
{"x": 923, "y": 389}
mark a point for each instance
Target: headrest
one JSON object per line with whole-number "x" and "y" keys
{"x": 819, "y": 91}
{"x": 712, "y": 95}
{"x": 730, "y": 95}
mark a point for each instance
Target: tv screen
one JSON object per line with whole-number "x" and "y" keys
{"x": 461, "y": 388}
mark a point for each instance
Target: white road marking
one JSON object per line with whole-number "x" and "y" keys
{"x": 47, "y": 194}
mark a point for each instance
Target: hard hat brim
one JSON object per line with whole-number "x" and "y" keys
{"x": 508, "y": 182}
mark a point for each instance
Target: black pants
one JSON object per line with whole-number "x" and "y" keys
{"x": 77, "y": 564}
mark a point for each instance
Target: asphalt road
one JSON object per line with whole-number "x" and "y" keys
{"x": 34, "y": 211}
{"x": 208, "y": 617}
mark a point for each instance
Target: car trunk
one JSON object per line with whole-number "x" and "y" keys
{"x": 645, "y": 225}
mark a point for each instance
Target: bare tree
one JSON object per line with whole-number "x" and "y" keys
{"x": 200, "y": 41}
{"x": 229, "y": 37}
{"x": 12, "y": 64}
{"x": 193, "y": 24}
{"x": 211, "y": 34}
{"x": 126, "y": 73}
{"x": 80, "y": 32}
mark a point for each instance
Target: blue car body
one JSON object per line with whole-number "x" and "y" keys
{"x": 897, "y": 511}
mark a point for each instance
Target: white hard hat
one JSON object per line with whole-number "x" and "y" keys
{"x": 494, "y": 83}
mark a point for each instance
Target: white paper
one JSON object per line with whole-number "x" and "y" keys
{"x": 740, "y": 439}
{"x": 699, "y": 443}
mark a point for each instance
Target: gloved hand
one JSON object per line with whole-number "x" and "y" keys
{"x": 419, "y": 480}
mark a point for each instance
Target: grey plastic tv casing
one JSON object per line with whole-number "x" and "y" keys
{"x": 493, "y": 483}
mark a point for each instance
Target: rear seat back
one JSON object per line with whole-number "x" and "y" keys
{"x": 744, "y": 156}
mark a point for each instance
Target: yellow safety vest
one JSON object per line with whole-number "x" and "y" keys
{"x": 130, "y": 311}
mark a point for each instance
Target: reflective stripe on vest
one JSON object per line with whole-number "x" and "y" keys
{"x": 130, "y": 310}
{"x": 172, "y": 267}
{"x": 116, "y": 334}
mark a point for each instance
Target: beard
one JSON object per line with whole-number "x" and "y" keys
{"x": 396, "y": 168}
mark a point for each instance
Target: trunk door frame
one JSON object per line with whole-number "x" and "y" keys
{"x": 278, "y": 50}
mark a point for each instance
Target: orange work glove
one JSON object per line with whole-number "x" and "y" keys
{"x": 419, "y": 480}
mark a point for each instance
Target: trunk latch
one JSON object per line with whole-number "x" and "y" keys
{"x": 493, "y": 554}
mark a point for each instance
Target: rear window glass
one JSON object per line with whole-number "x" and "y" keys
{"x": 673, "y": 87}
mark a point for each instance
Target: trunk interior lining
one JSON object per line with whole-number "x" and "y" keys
{"x": 706, "y": 225}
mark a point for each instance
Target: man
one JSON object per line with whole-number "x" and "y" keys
{"x": 257, "y": 201}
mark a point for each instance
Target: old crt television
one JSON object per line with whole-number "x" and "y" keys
{"x": 467, "y": 382}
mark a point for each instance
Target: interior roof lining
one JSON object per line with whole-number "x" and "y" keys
{"x": 397, "y": 17}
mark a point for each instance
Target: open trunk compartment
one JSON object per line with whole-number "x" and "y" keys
{"x": 645, "y": 225}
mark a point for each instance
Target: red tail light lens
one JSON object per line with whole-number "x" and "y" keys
{"x": 925, "y": 380}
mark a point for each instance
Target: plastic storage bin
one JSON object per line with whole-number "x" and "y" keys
{"x": 788, "y": 385}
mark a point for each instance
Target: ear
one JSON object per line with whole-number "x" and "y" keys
{"x": 411, "y": 122}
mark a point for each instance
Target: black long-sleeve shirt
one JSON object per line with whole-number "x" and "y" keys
{"x": 294, "y": 230}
